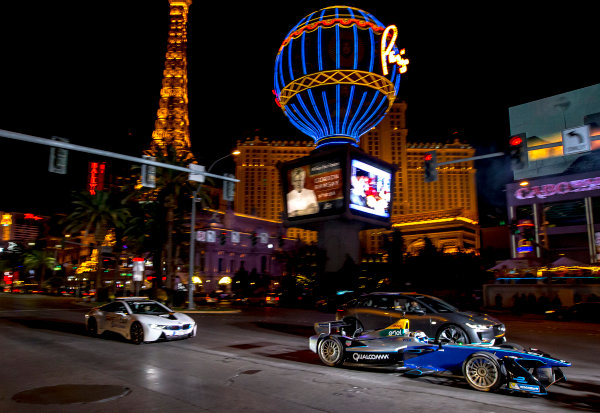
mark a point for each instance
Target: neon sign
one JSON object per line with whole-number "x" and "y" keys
{"x": 388, "y": 55}
{"x": 6, "y": 220}
{"x": 32, "y": 216}
{"x": 561, "y": 188}
{"x": 96, "y": 177}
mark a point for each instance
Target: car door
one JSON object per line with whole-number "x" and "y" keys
{"x": 116, "y": 319}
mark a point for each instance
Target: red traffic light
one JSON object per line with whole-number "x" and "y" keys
{"x": 515, "y": 141}
{"x": 428, "y": 157}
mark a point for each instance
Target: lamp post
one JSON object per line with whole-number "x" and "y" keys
{"x": 193, "y": 233}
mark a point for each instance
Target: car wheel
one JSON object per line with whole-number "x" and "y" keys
{"x": 92, "y": 327}
{"x": 137, "y": 333}
{"x": 483, "y": 372}
{"x": 452, "y": 334}
{"x": 331, "y": 351}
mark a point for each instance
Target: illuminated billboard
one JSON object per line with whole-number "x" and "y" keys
{"x": 543, "y": 121}
{"x": 342, "y": 182}
{"x": 370, "y": 189}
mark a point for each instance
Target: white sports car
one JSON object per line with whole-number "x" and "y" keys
{"x": 139, "y": 320}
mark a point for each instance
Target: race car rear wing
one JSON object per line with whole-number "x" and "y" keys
{"x": 328, "y": 327}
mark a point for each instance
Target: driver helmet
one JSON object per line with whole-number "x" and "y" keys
{"x": 420, "y": 336}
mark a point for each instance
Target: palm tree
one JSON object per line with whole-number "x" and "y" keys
{"x": 97, "y": 214}
{"x": 173, "y": 190}
{"x": 39, "y": 261}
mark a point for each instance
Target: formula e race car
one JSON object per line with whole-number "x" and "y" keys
{"x": 485, "y": 368}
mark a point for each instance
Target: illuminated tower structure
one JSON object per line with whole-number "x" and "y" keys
{"x": 171, "y": 129}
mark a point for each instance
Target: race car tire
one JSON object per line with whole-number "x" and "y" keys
{"x": 136, "y": 333}
{"x": 483, "y": 372}
{"x": 331, "y": 351}
{"x": 452, "y": 334}
{"x": 92, "y": 327}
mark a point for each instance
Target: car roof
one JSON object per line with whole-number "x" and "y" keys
{"x": 133, "y": 299}
{"x": 396, "y": 293}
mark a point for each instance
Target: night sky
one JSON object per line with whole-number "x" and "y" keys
{"x": 91, "y": 72}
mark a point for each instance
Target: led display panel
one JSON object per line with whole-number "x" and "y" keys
{"x": 370, "y": 189}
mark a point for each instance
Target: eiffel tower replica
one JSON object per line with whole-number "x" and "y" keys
{"x": 171, "y": 135}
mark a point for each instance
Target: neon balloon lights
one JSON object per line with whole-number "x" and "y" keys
{"x": 337, "y": 74}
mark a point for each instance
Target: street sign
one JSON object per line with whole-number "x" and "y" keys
{"x": 138, "y": 269}
{"x": 198, "y": 174}
{"x": 576, "y": 140}
{"x": 201, "y": 236}
{"x": 264, "y": 237}
{"x": 235, "y": 237}
{"x": 211, "y": 236}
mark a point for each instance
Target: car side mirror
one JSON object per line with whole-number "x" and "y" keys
{"x": 121, "y": 313}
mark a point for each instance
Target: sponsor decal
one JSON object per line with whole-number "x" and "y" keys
{"x": 395, "y": 332}
{"x": 369, "y": 357}
{"x": 524, "y": 387}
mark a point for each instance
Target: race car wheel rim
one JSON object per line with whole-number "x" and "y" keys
{"x": 137, "y": 334}
{"x": 330, "y": 351}
{"x": 482, "y": 373}
{"x": 453, "y": 334}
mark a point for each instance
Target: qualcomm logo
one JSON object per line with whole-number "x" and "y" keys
{"x": 362, "y": 356}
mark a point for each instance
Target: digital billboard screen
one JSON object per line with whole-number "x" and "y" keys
{"x": 315, "y": 189}
{"x": 370, "y": 189}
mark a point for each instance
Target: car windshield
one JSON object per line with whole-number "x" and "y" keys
{"x": 439, "y": 306}
{"x": 145, "y": 307}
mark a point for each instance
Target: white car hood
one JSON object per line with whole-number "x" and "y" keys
{"x": 166, "y": 319}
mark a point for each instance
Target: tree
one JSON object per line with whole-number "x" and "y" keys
{"x": 172, "y": 190}
{"x": 97, "y": 214}
{"x": 38, "y": 261}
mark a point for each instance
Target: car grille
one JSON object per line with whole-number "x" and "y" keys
{"x": 183, "y": 327}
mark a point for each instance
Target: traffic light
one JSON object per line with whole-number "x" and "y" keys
{"x": 430, "y": 166}
{"x": 58, "y": 158}
{"x": 223, "y": 237}
{"x": 254, "y": 238}
{"x": 517, "y": 151}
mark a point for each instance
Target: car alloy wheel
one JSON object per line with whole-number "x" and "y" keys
{"x": 331, "y": 351}
{"x": 137, "y": 333}
{"x": 483, "y": 372}
{"x": 452, "y": 334}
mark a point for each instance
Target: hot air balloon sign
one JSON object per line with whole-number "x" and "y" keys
{"x": 337, "y": 74}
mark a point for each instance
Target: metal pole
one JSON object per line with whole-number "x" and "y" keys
{"x": 191, "y": 304}
{"x": 85, "y": 149}
{"x": 192, "y": 261}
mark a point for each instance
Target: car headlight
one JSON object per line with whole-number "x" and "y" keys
{"x": 479, "y": 327}
{"x": 159, "y": 326}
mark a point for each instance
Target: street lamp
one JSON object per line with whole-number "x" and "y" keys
{"x": 193, "y": 233}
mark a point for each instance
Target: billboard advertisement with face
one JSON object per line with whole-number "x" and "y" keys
{"x": 315, "y": 189}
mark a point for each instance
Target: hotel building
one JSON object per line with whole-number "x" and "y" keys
{"x": 444, "y": 211}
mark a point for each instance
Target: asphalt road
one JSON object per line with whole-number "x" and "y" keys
{"x": 253, "y": 361}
